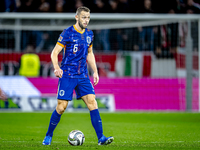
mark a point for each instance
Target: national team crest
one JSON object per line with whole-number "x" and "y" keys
{"x": 62, "y": 92}
{"x": 88, "y": 40}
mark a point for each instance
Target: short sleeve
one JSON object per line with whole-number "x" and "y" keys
{"x": 62, "y": 39}
{"x": 92, "y": 38}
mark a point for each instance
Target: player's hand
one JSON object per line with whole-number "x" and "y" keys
{"x": 96, "y": 78}
{"x": 58, "y": 72}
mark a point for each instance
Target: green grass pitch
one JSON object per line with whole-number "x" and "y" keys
{"x": 25, "y": 131}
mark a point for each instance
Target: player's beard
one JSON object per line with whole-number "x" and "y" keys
{"x": 81, "y": 25}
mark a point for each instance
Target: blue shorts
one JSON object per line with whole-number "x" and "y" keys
{"x": 66, "y": 86}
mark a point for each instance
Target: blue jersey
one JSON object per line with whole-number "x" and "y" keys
{"x": 75, "y": 44}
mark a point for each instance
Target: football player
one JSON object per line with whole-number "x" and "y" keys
{"x": 76, "y": 43}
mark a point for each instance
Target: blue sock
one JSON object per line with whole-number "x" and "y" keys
{"x": 96, "y": 122}
{"x": 55, "y": 118}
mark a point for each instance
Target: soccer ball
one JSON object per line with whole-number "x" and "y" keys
{"x": 76, "y": 138}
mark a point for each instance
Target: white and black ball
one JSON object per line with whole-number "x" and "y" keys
{"x": 76, "y": 138}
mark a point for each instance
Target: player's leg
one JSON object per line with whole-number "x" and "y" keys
{"x": 94, "y": 114}
{"x": 96, "y": 119}
{"x": 55, "y": 118}
{"x": 56, "y": 115}
{"x": 65, "y": 93}
{"x": 85, "y": 91}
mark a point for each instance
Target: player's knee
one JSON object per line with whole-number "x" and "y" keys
{"x": 61, "y": 106}
{"x": 60, "y": 109}
{"x": 92, "y": 104}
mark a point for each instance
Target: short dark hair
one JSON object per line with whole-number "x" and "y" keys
{"x": 82, "y": 8}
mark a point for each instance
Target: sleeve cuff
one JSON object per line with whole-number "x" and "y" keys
{"x": 60, "y": 44}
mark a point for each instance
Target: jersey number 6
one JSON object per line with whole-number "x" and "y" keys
{"x": 75, "y": 48}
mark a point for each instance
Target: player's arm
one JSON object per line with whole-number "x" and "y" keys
{"x": 54, "y": 58}
{"x": 92, "y": 63}
{"x": 2, "y": 95}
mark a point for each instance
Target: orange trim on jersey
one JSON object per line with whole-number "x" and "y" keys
{"x": 91, "y": 45}
{"x": 60, "y": 44}
{"x": 78, "y": 30}
{"x": 65, "y": 49}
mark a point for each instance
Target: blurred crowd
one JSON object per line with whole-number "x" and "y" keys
{"x": 163, "y": 40}
{"x": 102, "y": 6}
